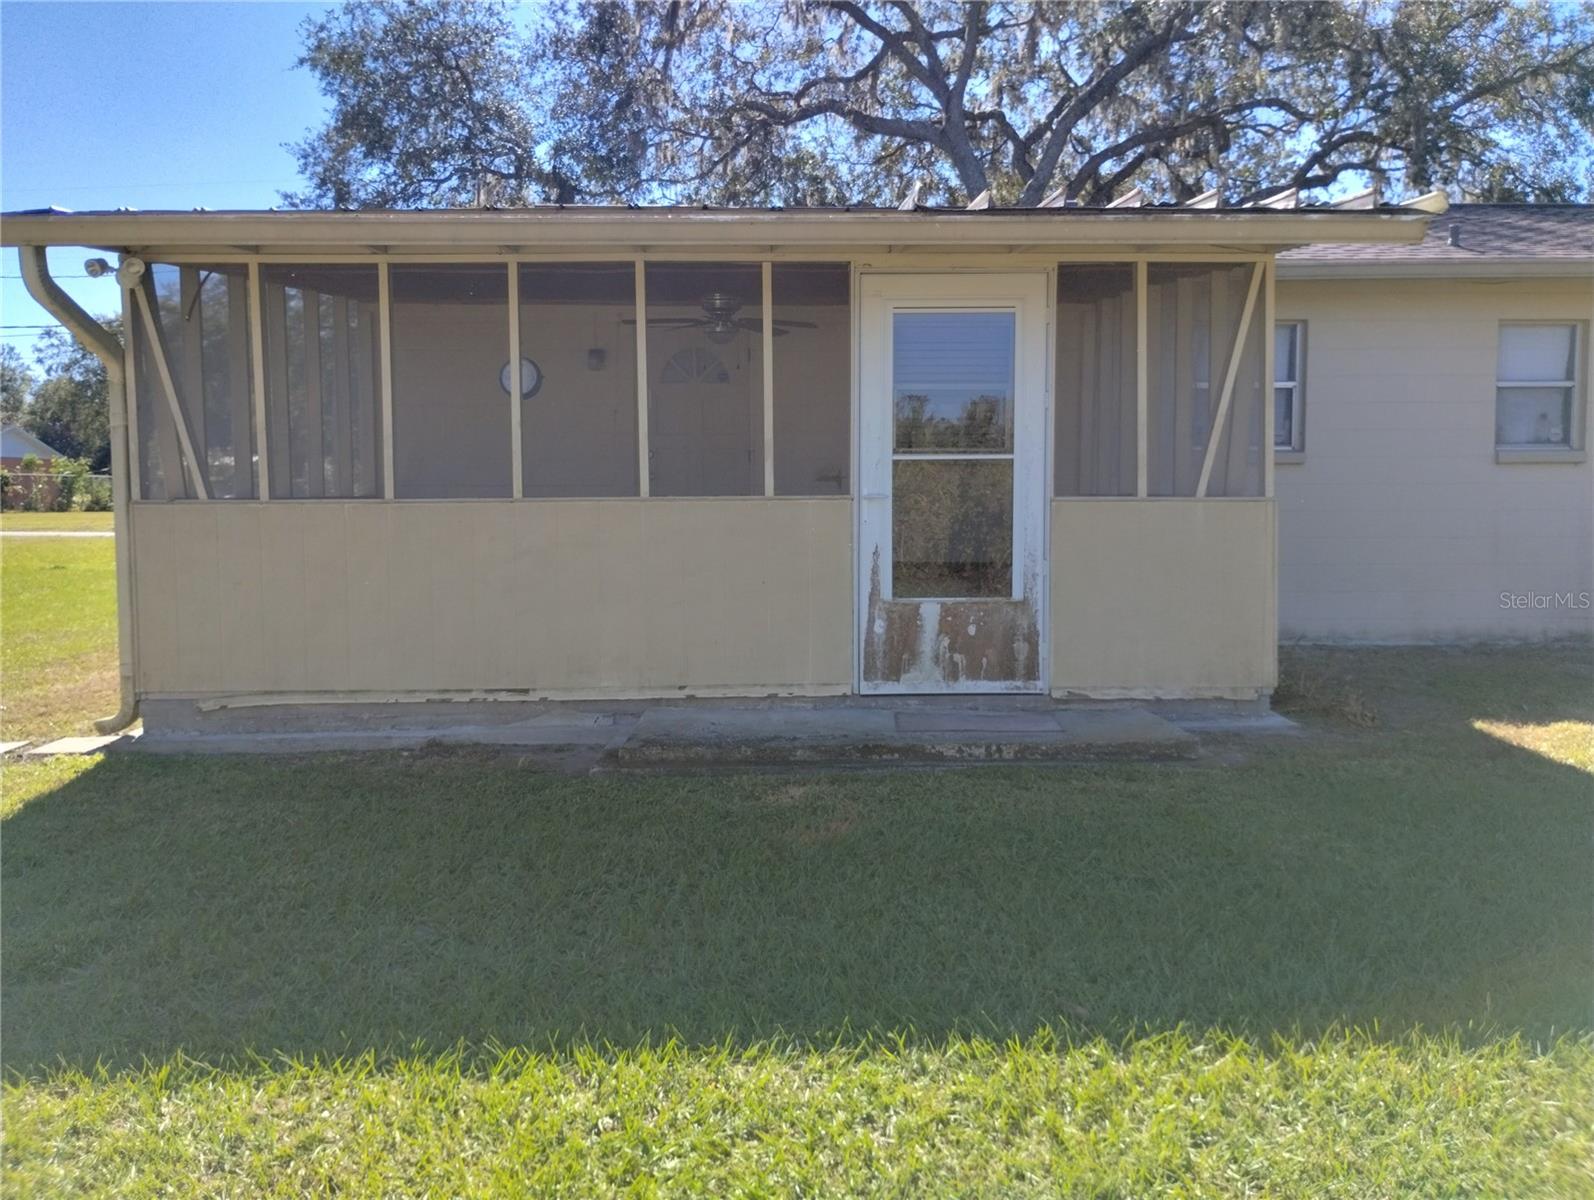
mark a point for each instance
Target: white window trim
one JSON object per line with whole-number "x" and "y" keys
{"x": 1572, "y": 450}
{"x": 1296, "y": 450}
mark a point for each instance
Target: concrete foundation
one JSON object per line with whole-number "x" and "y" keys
{"x": 706, "y": 733}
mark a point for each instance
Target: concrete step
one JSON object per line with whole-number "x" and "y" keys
{"x": 775, "y": 736}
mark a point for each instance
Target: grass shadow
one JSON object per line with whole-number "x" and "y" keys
{"x": 1420, "y": 876}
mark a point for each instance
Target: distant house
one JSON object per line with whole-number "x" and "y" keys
{"x": 16, "y": 443}
{"x": 575, "y": 453}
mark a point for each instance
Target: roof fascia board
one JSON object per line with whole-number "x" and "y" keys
{"x": 541, "y": 231}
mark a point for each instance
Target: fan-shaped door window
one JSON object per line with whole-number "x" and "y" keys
{"x": 706, "y": 410}
{"x": 694, "y": 364}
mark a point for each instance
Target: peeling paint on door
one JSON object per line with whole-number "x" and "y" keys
{"x": 937, "y": 644}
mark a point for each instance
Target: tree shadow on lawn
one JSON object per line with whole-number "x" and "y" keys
{"x": 336, "y": 904}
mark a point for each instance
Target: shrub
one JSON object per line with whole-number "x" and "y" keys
{"x": 71, "y": 478}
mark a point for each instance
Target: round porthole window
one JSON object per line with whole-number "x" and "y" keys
{"x": 530, "y": 379}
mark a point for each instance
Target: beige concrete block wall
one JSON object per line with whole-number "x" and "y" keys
{"x": 561, "y": 597}
{"x": 1163, "y": 598}
{"x": 1399, "y": 525}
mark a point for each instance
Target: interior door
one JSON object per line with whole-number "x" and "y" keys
{"x": 951, "y": 473}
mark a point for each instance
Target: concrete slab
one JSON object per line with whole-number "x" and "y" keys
{"x": 776, "y": 723}
{"x": 966, "y": 721}
{"x": 838, "y": 735}
{"x": 547, "y": 732}
{"x": 1246, "y": 723}
{"x": 76, "y": 745}
{"x": 11, "y": 747}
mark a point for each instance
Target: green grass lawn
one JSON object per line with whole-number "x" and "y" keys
{"x": 1355, "y": 963}
{"x": 57, "y": 633}
{"x": 67, "y": 522}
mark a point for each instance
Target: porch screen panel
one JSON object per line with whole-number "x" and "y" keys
{"x": 323, "y": 380}
{"x": 451, "y": 419}
{"x": 705, "y": 379}
{"x": 578, "y": 416}
{"x": 1193, "y": 313}
{"x": 1096, "y": 434}
{"x": 202, "y": 319}
{"x": 812, "y": 322}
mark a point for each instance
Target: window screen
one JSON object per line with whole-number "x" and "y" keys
{"x": 451, "y": 420}
{"x": 578, "y": 417}
{"x": 1193, "y": 314}
{"x": 1536, "y": 385}
{"x": 201, "y": 315}
{"x": 706, "y": 385}
{"x": 1096, "y": 436}
{"x": 323, "y": 379}
{"x": 813, "y": 378}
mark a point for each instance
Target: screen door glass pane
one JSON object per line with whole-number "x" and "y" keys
{"x": 951, "y": 528}
{"x": 952, "y": 381}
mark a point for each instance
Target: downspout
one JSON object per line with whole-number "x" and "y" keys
{"x": 97, "y": 339}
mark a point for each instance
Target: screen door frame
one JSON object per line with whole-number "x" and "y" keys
{"x": 882, "y": 295}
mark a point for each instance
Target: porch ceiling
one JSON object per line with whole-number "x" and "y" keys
{"x": 573, "y": 230}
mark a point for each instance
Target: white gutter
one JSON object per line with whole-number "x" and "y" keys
{"x": 105, "y": 347}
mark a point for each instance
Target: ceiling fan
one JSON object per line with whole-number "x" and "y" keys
{"x": 720, "y": 322}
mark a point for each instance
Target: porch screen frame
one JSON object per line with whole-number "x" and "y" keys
{"x": 1263, "y": 282}
{"x": 1258, "y": 311}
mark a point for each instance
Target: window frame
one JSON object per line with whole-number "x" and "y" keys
{"x": 1295, "y": 449}
{"x": 1572, "y": 446}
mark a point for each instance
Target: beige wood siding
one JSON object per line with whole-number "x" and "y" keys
{"x": 561, "y": 597}
{"x": 1163, "y": 598}
{"x": 1399, "y": 525}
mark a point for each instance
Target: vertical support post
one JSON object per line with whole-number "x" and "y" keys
{"x": 315, "y": 468}
{"x": 135, "y": 448}
{"x": 1269, "y": 418}
{"x": 342, "y": 401}
{"x": 384, "y": 321}
{"x": 516, "y": 451}
{"x": 1142, "y": 381}
{"x": 238, "y": 411}
{"x": 642, "y": 377}
{"x": 769, "y": 378}
{"x": 257, "y": 362}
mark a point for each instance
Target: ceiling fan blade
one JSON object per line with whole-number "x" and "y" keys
{"x": 668, "y": 322}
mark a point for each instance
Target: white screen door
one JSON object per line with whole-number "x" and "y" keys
{"x": 951, "y": 473}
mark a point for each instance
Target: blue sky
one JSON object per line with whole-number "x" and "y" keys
{"x": 143, "y": 105}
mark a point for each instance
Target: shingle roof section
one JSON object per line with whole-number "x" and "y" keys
{"x": 1477, "y": 233}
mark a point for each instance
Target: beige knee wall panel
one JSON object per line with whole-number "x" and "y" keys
{"x": 602, "y": 597}
{"x": 1163, "y": 598}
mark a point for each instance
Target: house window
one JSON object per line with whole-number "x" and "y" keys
{"x": 1536, "y": 385}
{"x": 1289, "y": 340}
